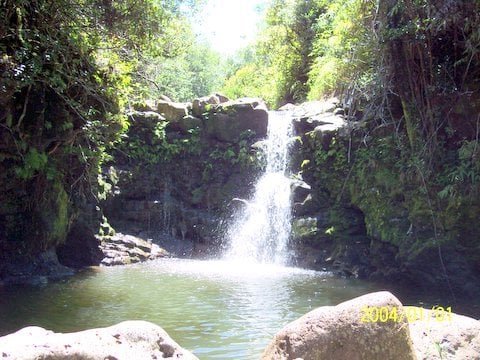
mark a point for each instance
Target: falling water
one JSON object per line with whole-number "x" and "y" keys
{"x": 262, "y": 230}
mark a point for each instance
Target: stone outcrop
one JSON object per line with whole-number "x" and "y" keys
{"x": 338, "y": 333}
{"x": 175, "y": 185}
{"x": 373, "y": 220}
{"x": 123, "y": 249}
{"x": 127, "y": 340}
{"x": 326, "y": 233}
{"x": 81, "y": 248}
{"x": 205, "y": 103}
{"x": 229, "y": 120}
{"x": 172, "y": 111}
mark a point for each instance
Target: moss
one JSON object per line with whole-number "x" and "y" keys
{"x": 304, "y": 228}
{"x": 58, "y": 225}
{"x": 106, "y": 230}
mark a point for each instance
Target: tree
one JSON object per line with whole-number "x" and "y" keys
{"x": 66, "y": 75}
{"x": 282, "y": 53}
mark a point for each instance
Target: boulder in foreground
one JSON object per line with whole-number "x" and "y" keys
{"x": 128, "y": 340}
{"x": 444, "y": 336}
{"x": 338, "y": 333}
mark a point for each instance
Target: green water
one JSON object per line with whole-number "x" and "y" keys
{"x": 218, "y": 310}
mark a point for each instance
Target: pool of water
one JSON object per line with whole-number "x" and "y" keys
{"x": 216, "y": 309}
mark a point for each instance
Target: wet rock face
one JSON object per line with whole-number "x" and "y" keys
{"x": 184, "y": 195}
{"x": 82, "y": 247}
{"x": 340, "y": 332}
{"x": 127, "y": 340}
{"x": 36, "y": 270}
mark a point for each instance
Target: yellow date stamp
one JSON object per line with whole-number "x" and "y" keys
{"x": 375, "y": 314}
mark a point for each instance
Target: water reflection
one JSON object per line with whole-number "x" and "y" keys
{"x": 219, "y": 310}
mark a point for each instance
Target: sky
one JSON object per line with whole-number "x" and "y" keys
{"x": 229, "y": 25}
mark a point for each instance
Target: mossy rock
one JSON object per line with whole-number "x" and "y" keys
{"x": 229, "y": 120}
{"x": 304, "y": 228}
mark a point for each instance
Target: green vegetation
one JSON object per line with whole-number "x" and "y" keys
{"x": 308, "y": 50}
{"x": 68, "y": 72}
{"x": 185, "y": 70}
{"x": 409, "y": 71}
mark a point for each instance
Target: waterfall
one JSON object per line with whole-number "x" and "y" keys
{"x": 262, "y": 229}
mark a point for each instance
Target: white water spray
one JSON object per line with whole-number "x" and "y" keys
{"x": 262, "y": 230}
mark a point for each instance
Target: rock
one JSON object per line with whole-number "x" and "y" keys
{"x": 338, "y": 333}
{"x": 36, "y": 270}
{"x": 123, "y": 249}
{"x": 147, "y": 105}
{"x": 222, "y": 98}
{"x": 201, "y": 105}
{"x": 329, "y": 122}
{"x": 82, "y": 247}
{"x": 287, "y": 107}
{"x": 143, "y": 124}
{"x": 455, "y": 337}
{"x": 309, "y": 115}
{"x": 308, "y": 206}
{"x": 230, "y": 119}
{"x": 164, "y": 98}
{"x": 323, "y": 134}
{"x": 147, "y": 118}
{"x": 312, "y": 108}
{"x": 299, "y": 190}
{"x": 127, "y": 340}
{"x": 185, "y": 124}
{"x": 172, "y": 111}
{"x": 303, "y": 125}
{"x": 260, "y": 145}
{"x": 304, "y": 228}
{"x": 322, "y": 122}
{"x": 157, "y": 252}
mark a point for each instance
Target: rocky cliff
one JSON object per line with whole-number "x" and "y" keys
{"x": 363, "y": 209}
{"x": 179, "y": 167}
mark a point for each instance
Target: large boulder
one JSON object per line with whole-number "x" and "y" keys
{"x": 229, "y": 120}
{"x": 143, "y": 125}
{"x": 342, "y": 332}
{"x": 173, "y": 111}
{"x": 146, "y": 105}
{"x": 127, "y": 340}
{"x": 300, "y": 190}
{"x": 146, "y": 119}
{"x": 439, "y": 334}
{"x": 185, "y": 124}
